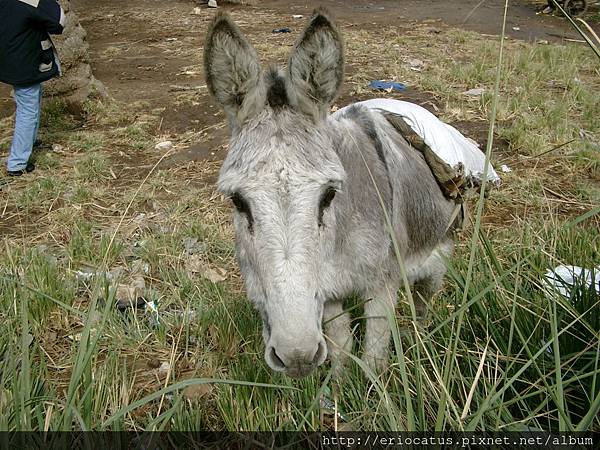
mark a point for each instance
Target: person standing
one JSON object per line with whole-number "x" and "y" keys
{"x": 27, "y": 59}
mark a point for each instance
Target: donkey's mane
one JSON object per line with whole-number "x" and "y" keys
{"x": 277, "y": 96}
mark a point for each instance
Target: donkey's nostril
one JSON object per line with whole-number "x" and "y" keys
{"x": 276, "y": 360}
{"x": 319, "y": 355}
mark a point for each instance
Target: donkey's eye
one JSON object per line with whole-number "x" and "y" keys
{"x": 327, "y": 197}
{"x": 242, "y": 207}
{"x": 326, "y": 200}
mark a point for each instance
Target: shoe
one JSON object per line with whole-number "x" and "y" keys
{"x": 30, "y": 167}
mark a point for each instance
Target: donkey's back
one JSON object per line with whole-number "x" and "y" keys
{"x": 389, "y": 186}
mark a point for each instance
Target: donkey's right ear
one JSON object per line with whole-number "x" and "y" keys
{"x": 232, "y": 69}
{"x": 316, "y": 65}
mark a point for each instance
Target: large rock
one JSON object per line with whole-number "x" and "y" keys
{"x": 77, "y": 82}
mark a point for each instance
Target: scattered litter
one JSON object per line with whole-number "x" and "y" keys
{"x": 388, "y": 86}
{"x": 476, "y": 92}
{"x": 86, "y": 274}
{"x": 164, "y": 146}
{"x": 152, "y": 309}
{"x": 172, "y": 39}
{"x": 516, "y": 28}
{"x": 212, "y": 3}
{"x": 504, "y": 168}
{"x": 282, "y": 30}
{"x": 564, "y": 278}
{"x": 164, "y": 368}
{"x": 415, "y": 64}
{"x": 297, "y": 16}
{"x": 543, "y": 42}
{"x": 178, "y": 88}
{"x": 328, "y": 406}
{"x": 140, "y": 267}
{"x": 197, "y": 11}
{"x": 57, "y": 148}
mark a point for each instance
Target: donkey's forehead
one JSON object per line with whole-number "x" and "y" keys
{"x": 281, "y": 148}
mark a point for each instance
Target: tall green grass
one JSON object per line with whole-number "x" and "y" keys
{"x": 500, "y": 352}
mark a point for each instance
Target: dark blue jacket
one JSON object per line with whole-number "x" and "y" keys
{"x": 27, "y": 55}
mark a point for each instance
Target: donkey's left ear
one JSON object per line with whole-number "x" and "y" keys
{"x": 232, "y": 69}
{"x": 316, "y": 65}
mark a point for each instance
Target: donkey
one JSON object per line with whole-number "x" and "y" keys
{"x": 316, "y": 198}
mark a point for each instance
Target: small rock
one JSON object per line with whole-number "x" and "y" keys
{"x": 476, "y": 92}
{"x": 57, "y": 148}
{"x": 124, "y": 303}
{"x": 192, "y": 246}
{"x": 516, "y": 28}
{"x": 194, "y": 264}
{"x": 196, "y": 392}
{"x": 154, "y": 363}
{"x": 140, "y": 267}
{"x": 216, "y": 276}
{"x": 164, "y": 369}
{"x": 164, "y": 146}
{"x": 51, "y": 336}
{"x": 197, "y": 11}
{"x": 131, "y": 291}
{"x": 415, "y": 64}
{"x": 212, "y": 3}
{"x": 505, "y": 168}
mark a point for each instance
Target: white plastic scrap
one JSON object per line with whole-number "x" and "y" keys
{"x": 475, "y": 92}
{"x": 505, "y": 168}
{"x": 446, "y": 141}
{"x": 564, "y": 278}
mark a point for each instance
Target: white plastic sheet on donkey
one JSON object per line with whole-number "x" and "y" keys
{"x": 446, "y": 141}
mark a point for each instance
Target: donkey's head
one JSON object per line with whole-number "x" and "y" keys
{"x": 282, "y": 175}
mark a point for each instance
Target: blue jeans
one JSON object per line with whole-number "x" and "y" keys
{"x": 27, "y": 122}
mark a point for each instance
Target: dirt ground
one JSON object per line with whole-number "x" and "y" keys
{"x": 138, "y": 61}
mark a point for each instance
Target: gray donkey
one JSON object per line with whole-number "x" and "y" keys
{"x": 311, "y": 192}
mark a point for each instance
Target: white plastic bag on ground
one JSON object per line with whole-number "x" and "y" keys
{"x": 564, "y": 278}
{"x": 446, "y": 141}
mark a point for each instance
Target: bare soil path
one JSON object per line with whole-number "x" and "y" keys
{"x": 151, "y": 50}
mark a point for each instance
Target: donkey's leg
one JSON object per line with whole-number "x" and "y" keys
{"x": 378, "y": 312}
{"x": 423, "y": 291}
{"x": 429, "y": 278}
{"x": 337, "y": 332}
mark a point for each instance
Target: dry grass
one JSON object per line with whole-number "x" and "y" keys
{"x": 87, "y": 208}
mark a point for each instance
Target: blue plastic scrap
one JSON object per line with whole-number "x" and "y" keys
{"x": 382, "y": 85}
{"x": 282, "y": 30}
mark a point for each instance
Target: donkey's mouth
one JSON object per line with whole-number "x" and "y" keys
{"x": 300, "y": 371}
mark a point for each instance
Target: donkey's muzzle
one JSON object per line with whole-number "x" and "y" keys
{"x": 297, "y": 361}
